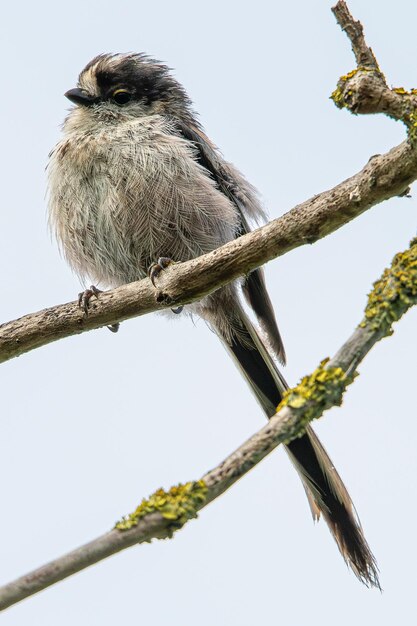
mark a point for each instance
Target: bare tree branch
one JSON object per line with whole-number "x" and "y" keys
{"x": 354, "y": 30}
{"x": 383, "y": 177}
{"x": 164, "y": 512}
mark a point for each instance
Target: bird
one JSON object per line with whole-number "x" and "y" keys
{"x": 135, "y": 184}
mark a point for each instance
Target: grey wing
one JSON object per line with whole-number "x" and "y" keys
{"x": 244, "y": 197}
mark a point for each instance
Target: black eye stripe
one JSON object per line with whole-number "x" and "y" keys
{"x": 147, "y": 80}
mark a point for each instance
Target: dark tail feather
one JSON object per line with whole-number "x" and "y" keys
{"x": 256, "y": 294}
{"x": 328, "y": 495}
{"x": 325, "y": 490}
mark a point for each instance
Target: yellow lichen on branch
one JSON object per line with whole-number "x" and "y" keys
{"x": 178, "y": 505}
{"x": 394, "y": 293}
{"x": 403, "y": 92}
{"x": 341, "y": 96}
{"x": 316, "y": 392}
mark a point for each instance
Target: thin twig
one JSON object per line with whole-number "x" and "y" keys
{"x": 354, "y": 30}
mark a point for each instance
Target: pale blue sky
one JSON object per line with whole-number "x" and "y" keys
{"x": 88, "y": 425}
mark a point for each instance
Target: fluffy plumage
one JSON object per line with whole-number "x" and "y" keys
{"x": 135, "y": 178}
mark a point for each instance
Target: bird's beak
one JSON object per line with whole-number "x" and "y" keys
{"x": 78, "y": 96}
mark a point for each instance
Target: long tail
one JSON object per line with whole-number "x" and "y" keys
{"x": 325, "y": 490}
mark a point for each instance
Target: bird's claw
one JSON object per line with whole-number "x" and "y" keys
{"x": 156, "y": 268}
{"x": 85, "y": 296}
{"x": 154, "y": 271}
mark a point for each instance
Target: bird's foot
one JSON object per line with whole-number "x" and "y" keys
{"x": 155, "y": 270}
{"x": 84, "y": 298}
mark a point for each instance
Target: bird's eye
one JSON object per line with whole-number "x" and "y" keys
{"x": 121, "y": 96}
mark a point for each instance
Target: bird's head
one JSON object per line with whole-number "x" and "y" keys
{"x": 128, "y": 85}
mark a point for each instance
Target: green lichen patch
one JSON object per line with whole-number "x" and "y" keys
{"x": 409, "y": 115}
{"x": 411, "y": 122}
{"x": 403, "y": 92}
{"x": 394, "y": 293}
{"x": 178, "y": 505}
{"x": 340, "y": 96}
{"x": 316, "y": 393}
{"x": 351, "y": 74}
